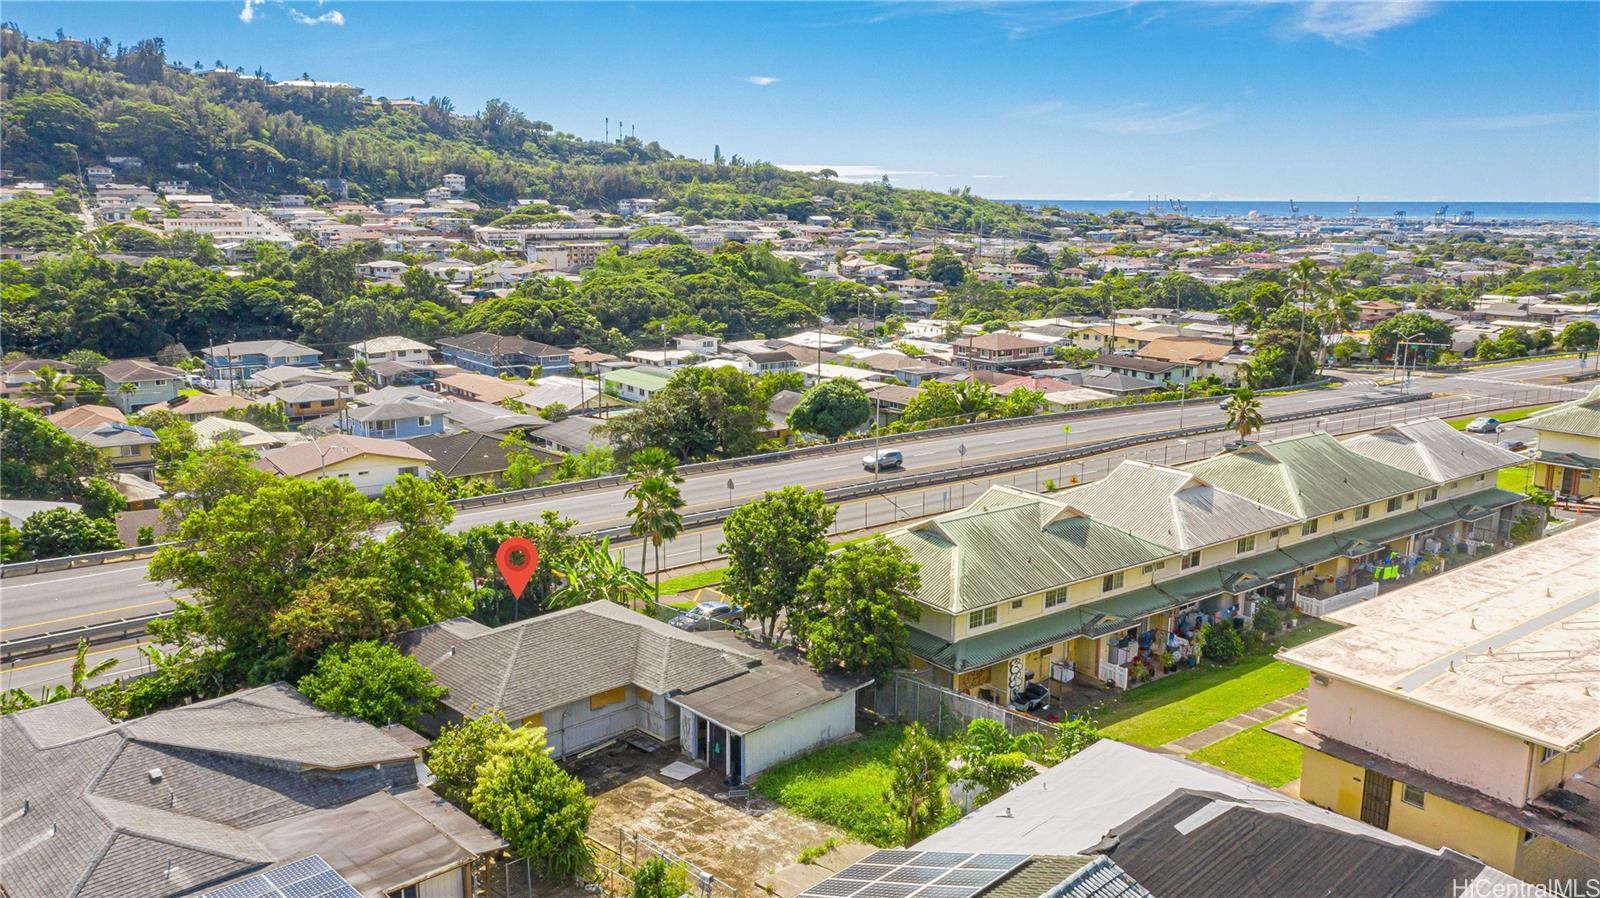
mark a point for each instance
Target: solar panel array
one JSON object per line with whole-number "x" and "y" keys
{"x": 309, "y": 877}
{"x": 917, "y": 874}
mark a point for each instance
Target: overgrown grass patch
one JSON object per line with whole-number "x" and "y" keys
{"x": 1505, "y": 417}
{"x": 1256, "y": 754}
{"x": 843, "y": 785}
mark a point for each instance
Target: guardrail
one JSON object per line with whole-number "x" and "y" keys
{"x": 94, "y": 634}
{"x": 68, "y": 562}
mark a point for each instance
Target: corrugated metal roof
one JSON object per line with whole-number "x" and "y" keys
{"x": 1580, "y": 418}
{"x": 1173, "y": 507}
{"x": 1011, "y": 543}
{"x": 1432, "y": 449}
{"x": 1307, "y": 476}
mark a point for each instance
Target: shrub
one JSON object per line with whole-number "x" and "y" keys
{"x": 1267, "y": 622}
{"x": 372, "y": 681}
{"x": 1221, "y": 643}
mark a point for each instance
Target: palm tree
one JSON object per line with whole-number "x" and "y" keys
{"x": 1244, "y": 413}
{"x": 591, "y": 572}
{"x": 654, "y": 461}
{"x": 656, "y": 517}
{"x": 82, "y": 673}
{"x": 1302, "y": 280}
{"x": 49, "y": 386}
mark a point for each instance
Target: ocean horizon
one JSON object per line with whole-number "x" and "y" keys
{"x": 1414, "y": 210}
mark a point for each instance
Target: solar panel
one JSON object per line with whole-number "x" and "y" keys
{"x": 917, "y": 874}
{"x": 309, "y": 877}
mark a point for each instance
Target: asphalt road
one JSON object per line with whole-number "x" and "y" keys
{"x": 54, "y": 601}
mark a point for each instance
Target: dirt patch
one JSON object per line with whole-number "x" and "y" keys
{"x": 740, "y": 840}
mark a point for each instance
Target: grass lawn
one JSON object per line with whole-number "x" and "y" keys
{"x": 1513, "y": 480}
{"x": 1175, "y": 706}
{"x": 843, "y": 785}
{"x": 1506, "y": 417}
{"x": 1256, "y": 754}
{"x": 697, "y": 580}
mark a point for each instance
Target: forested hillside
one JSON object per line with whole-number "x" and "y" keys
{"x": 70, "y": 104}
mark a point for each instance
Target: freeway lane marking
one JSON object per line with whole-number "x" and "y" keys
{"x": 64, "y": 659}
{"x": 11, "y": 586}
{"x": 97, "y": 613}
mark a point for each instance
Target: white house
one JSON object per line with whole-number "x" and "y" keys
{"x": 391, "y": 349}
{"x": 368, "y": 464}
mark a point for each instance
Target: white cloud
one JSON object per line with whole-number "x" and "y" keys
{"x": 760, "y": 80}
{"x": 248, "y": 13}
{"x": 1516, "y": 121}
{"x": 331, "y": 17}
{"x": 855, "y": 172}
{"x": 1342, "y": 21}
{"x": 1128, "y": 118}
{"x": 1019, "y": 18}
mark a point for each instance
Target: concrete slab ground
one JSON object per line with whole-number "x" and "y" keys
{"x": 740, "y": 840}
{"x": 796, "y": 878}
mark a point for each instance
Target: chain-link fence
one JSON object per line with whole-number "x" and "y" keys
{"x": 941, "y": 711}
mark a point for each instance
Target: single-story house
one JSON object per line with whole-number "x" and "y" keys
{"x": 368, "y": 464}
{"x": 198, "y": 406}
{"x": 255, "y": 793}
{"x": 598, "y": 672}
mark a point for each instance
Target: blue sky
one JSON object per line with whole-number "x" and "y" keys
{"x": 1248, "y": 100}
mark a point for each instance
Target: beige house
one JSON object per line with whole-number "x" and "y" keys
{"x": 1463, "y": 711}
{"x": 1566, "y": 460}
{"x": 366, "y": 463}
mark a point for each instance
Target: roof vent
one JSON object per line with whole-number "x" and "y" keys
{"x": 155, "y": 774}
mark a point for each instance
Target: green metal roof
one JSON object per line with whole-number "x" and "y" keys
{"x": 1566, "y": 459}
{"x": 642, "y": 378}
{"x": 1011, "y": 543}
{"x": 1579, "y": 418}
{"x": 1307, "y": 476}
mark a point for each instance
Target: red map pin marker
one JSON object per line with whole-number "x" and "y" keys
{"x": 517, "y": 573}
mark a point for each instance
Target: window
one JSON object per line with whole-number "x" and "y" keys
{"x": 983, "y": 617}
{"x": 1309, "y": 527}
{"x": 1247, "y": 544}
{"x": 609, "y": 697}
{"x": 1481, "y": 477}
{"x": 1528, "y": 836}
{"x": 1015, "y": 604}
{"x": 1111, "y": 582}
{"x": 424, "y": 422}
{"x": 1276, "y": 533}
{"x": 533, "y": 720}
{"x": 1413, "y": 795}
{"x": 1546, "y": 755}
{"x": 1394, "y": 504}
{"x": 1055, "y": 597}
{"x": 1364, "y": 512}
{"x": 412, "y": 470}
{"x": 1431, "y": 495}
{"x": 1191, "y": 560}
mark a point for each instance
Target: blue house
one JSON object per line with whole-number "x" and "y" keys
{"x": 240, "y": 359}
{"x": 397, "y": 420}
{"x": 494, "y": 355}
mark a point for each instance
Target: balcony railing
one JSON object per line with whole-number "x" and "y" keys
{"x": 1318, "y": 607}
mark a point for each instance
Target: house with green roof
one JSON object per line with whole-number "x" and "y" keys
{"x": 635, "y": 384}
{"x": 1084, "y": 583}
{"x": 1566, "y": 459}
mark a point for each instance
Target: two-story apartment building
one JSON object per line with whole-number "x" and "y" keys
{"x": 1464, "y": 711}
{"x": 391, "y": 349}
{"x": 394, "y": 420}
{"x": 998, "y": 351}
{"x": 1206, "y": 358}
{"x": 243, "y": 358}
{"x": 1156, "y": 371}
{"x": 1090, "y": 582}
{"x": 132, "y": 384}
{"x": 492, "y": 354}
{"x": 306, "y": 402}
{"x": 1566, "y": 459}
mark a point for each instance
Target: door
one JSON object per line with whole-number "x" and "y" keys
{"x": 1569, "y": 481}
{"x": 1377, "y": 791}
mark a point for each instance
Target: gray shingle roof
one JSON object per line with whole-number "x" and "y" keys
{"x": 87, "y": 815}
{"x": 532, "y": 666}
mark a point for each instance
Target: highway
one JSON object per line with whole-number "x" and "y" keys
{"x": 54, "y": 601}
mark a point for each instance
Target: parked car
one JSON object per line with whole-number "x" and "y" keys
{"x": 1513, "y": 445}
{"x": 708, "y": 615}
{"x": 883, "y": 460}
{"x": 1484, "y": 425}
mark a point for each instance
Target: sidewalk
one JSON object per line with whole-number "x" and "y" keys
{"x": 1236, "y": 724}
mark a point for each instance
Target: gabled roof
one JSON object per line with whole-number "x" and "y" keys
{"x": 463, "y": 454}
{"x": 1173, "y": 507}
{"x": 314, "y": 455}
{"x": 1432, "y": 449}
{"x": 1579, "y": 418}
{"x": 188, "y": 798}
{"x": 87, "y": 416}
{"x": 1307, "y": 476}
{"x": 497, "y": 345}
{"x": 535, "y": 665}
{"x": 259, "y": 347}
{"x": 390, "y": 344}
{"x": 136, "y": 370}
{"x": 112, "y": 434}
{"x": 1010, "y": 543}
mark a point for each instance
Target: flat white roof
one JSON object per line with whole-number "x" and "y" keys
{"x": 1511, "y": 641}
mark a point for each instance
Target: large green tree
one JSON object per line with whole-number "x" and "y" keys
{"x": 372, "y": 681}
{"x": 853, "y": 608}
{"x": 701, "y": 413}
{"x": 539, "y": 808}
{"x": 771, "y": 545}
{"x": 832, "y": 408}
{"x": 39, "y": 460}
{"x": 1410, "y": 327}
{"x": 62, "y": 531}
